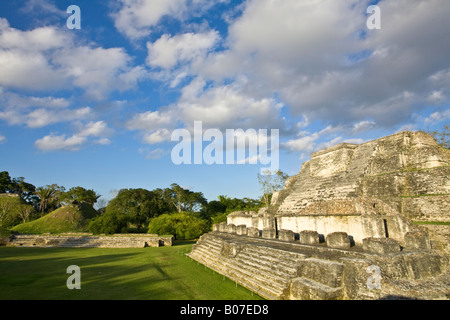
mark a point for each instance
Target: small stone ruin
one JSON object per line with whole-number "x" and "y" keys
{"x": 78, "y": 240}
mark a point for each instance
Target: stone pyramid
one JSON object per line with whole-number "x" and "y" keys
{"x": 343, "y": 221}
{"x": 370, "y": 190}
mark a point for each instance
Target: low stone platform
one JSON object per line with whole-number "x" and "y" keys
{"x": 89, "y": 241}
{"x": 277, "y": 269}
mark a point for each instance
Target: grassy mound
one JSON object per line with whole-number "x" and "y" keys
{"x": 70, "y": 218}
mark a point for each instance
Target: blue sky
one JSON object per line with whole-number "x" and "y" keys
{"x": 96, "y": 107}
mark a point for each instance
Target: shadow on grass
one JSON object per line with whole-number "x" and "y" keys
{"x": 111, "y": 274}
{"x": 41, "y": 273}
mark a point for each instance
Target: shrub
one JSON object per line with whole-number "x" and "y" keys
{"x": 183, "y": 225}
{"x": 108, "y": 223}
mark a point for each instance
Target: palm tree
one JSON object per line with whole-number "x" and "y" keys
{"x": 48, "y": 196}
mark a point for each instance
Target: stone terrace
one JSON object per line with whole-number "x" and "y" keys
{"x": 89, "y": 241}
{"x": 277, "y": 269}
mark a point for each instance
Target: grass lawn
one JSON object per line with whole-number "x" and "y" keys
{"x": 112, "y": 274}
{"x": 436, "y": 223}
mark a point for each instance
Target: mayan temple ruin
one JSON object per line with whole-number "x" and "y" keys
{"x": 343, "y": 227}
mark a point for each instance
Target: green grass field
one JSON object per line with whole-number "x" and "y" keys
{"x": 163, "y": 273}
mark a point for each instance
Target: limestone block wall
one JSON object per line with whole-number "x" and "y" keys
{"x": 407, "y": 236}
{"x": 79, "y": 241}
{"x": 439, "y": 235}
{"x": 422, "y": 195}
{"x": 252, "y": 219}
{"x": 357, "y": 226}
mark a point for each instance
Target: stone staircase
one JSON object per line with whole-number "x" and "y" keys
{"x": 272, "y": 273}
{"x": 24, "y": 241}
{"x": 278, "y": 270}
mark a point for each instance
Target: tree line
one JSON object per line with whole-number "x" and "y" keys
{"x": 175, "y": 210}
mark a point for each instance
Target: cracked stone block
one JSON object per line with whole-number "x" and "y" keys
{"x": 307, "y": 289}
{"x": 253, "y": 232}
{"x": 381, "y": 245}
{"x": 231, "y": 229}
{"x": 223, "y": 227}
{"x": 269, "y": 234}
{"x": 415, "y": 240}
{"x": 309, "y": 237}
{"x": 338, "y": 240}
{"x": 286, "y": 235}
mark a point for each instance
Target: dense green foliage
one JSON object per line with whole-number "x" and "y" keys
{"x": 185, "y": 200}
{"x": 4, "y": 236}
{"x": 15, "y": 185}
{"x": 182, "y": 225}
{"x": 80, "y": 194}
{"x": 108, "y": 224}
{"x": 217, "y": 210}
{"x": 26, "y": 191}
{"x": 175, "y": 210}
{"x": 49, "y": 197}
{"x": 14, "y": 210}
{"x": 131, "y": 206}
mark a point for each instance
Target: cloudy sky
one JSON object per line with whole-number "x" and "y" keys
{"x": 96, "y": 106}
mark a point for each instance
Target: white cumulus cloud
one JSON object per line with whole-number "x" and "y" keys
{"x": 53, "y": 143}
{"x": 169, "y": 51}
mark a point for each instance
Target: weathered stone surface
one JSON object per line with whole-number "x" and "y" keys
{"x": 89, "y": 241}
{"x": 253, "y": 232}
{"x": 241, "y": 230}
{"x": 439, "y": 237}
{"x": 417, "y": 241}
{"x": 297, "y": 271}
{"x": 357, "y": 277}
{"x": 231, "y": 249}
{"x": 307, "y": 289}
{"x": 223, "y": 227}
{"x": 286, "y": 235}
{"x": 408, "y": 170}
{"x": 338, "y": 240}
{"x": 261, "y": 220}
{"x": 231, "y": 228}
{"x": 423, "y": 266}
{"x": 309, "y": 237}
{"x": 381, "y": 245}
{"x": 269, "y": 234}
{"x": 324, "y": 271}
